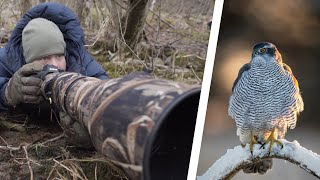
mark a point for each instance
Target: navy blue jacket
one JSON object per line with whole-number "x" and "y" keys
{"x": 78, "y": 59}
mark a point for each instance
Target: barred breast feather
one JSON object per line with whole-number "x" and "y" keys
{"x": 264, "y": 97}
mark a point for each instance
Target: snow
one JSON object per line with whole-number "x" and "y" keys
{"x": 293, "y": 151}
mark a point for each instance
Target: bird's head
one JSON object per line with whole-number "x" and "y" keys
{"x": 264, "y": 53}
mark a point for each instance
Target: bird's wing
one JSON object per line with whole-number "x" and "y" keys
{"x": 286, "y": 67}
{"x": 299, "y": 105}
{"x": 244, "y": 68}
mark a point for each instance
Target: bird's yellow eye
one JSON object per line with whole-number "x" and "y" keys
{"x": 262, "y": 50}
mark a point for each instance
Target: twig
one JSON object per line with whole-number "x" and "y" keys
{"x": 39, "y": 139}
{"x": 164, "y": 21}
{"x": 194, "y": 73}
{"x": 3, "y": 140}
{"x": 187, "y": 36}
{"x": 238, "y": 158}
{"x": 54, "y": 167}
{"x": 177, "y": 40}
{"x": 76, "y": 169}
{"x": 53, "y": 139}
{"x": 68, "y": 169}
{"x": 47, "y": 141}
{"x": 10, "y": 148}
{"x": 28, "y": 162}
{"x": 100, "y": 32}
{"x": 139, "y": 60}
{"x": 116, "y": 2}
{"x": 95, "y": 172}
{"x": 156, "y": 40}
{"x": 149, "y": 25}
{"x": 110, "y": 163}
{"x": 191, "y": 55}
{"x": 174, "y": 58}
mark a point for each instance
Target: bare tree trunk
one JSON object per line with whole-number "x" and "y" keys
{"x": 79, "y": 9}
{"x": 134, "y": 21}
{"x": 25, "y": 5}
{"x": 130, "y": 25}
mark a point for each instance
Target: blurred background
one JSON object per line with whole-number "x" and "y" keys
{"x": 293, "y": 26}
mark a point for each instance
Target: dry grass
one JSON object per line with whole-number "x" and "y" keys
{"x": 41, "y": 153}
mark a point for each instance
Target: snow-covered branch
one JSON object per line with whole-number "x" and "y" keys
{"x": 237, "y": 158}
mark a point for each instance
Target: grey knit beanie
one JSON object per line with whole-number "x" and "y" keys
{"x": 41, "y": 38}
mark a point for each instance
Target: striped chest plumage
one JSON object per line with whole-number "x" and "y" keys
{"x": 262, "y": 96}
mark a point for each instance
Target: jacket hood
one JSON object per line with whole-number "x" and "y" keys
{"x": 69, "y": 25}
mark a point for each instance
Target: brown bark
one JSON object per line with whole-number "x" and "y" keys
{"x": 134, "y": 22}
{"x": 130, "y": 25}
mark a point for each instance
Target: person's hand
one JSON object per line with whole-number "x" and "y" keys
{"x": 23, "y": 87}
{"x": 76, "y": 134}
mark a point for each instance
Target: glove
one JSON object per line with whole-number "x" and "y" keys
{"x": 24, "y": 88}
{"x": 76, "y": 134}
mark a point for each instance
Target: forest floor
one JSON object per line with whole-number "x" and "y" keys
{"x": 35, "y": 148}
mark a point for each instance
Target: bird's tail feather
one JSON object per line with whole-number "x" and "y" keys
{"x": 261, "y": 166}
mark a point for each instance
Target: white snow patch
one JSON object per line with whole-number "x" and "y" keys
{"x": 308, "y": 160}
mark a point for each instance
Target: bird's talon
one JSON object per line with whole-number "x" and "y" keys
{"x": 252, "y": 142}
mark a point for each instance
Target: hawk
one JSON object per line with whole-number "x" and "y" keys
{"x": 265, "y": 101}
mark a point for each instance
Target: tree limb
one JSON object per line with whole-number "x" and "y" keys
{"x": 237, "y": 158}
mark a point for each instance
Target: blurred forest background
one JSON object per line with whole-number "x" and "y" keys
{"x": 293, "y": 26}
{"x": 167, "y": 37}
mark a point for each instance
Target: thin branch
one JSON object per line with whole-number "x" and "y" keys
{"x": 100, "y": 32}
{"x": 162, "y": 20}
{"x": 51, "y": 172}
{"x": 139, "y": 60}
{"x": 191, "y": 55}
{"x": 53, "y": 139}
{"x": 194, "y": 73}
{"x": 28, "y": 162}
{"x": 95, "y": 172}
{"x": 10, "y": 148}
{"x": 237, "y": 158}
{"x": 120, "y": 5}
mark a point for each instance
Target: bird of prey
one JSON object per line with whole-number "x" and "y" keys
{"x": 265, "y": 101}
